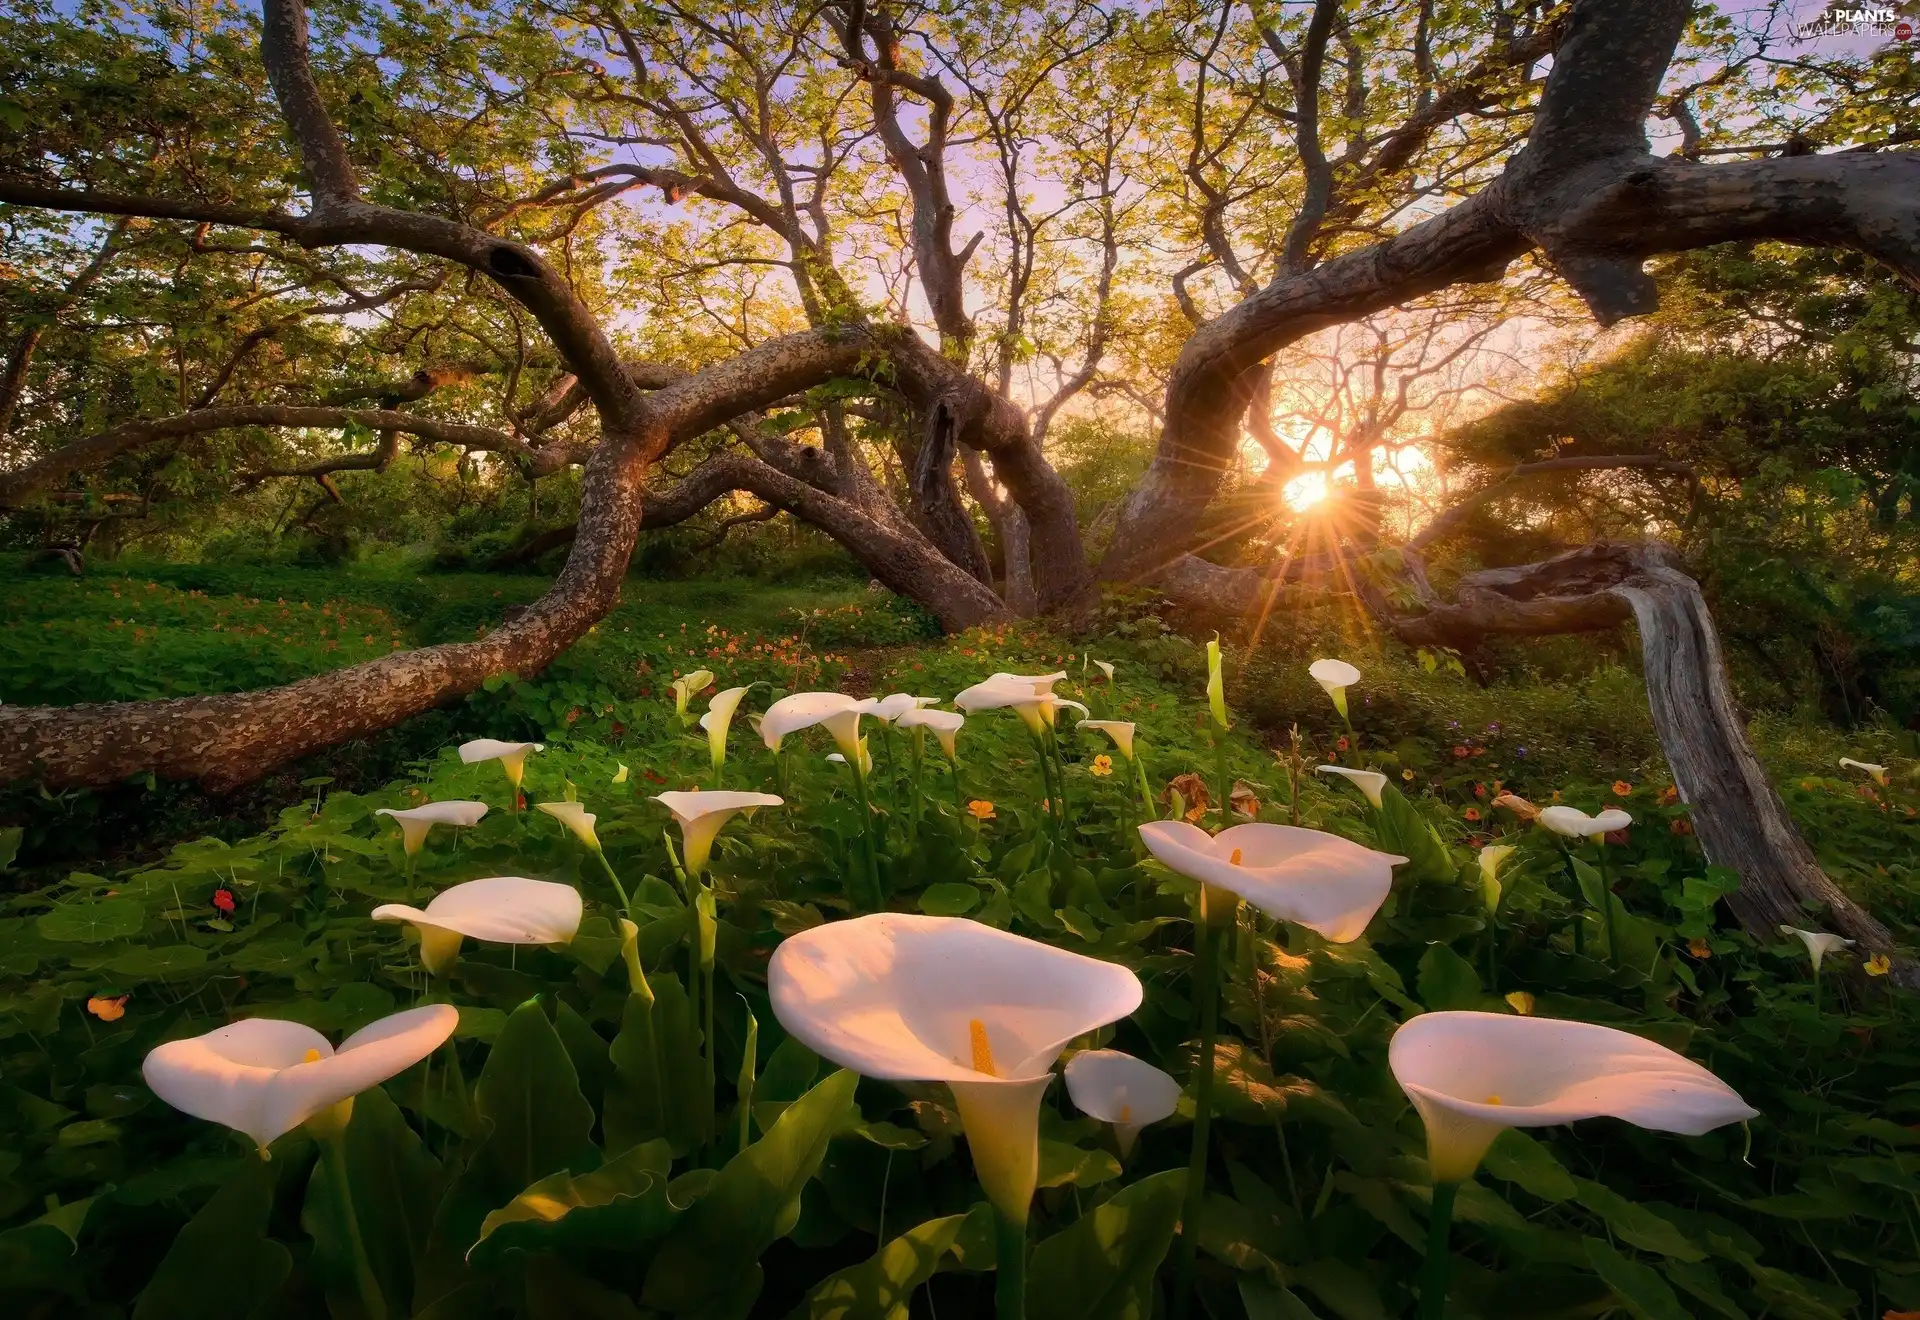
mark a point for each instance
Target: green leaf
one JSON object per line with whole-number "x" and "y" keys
{"x": 92, "y": 923}
{"x": 616, "y": 1207}
{"x": 656, "y": 1087}
{"x": 1062, "y": 1164}
{"x": 709, "y": 1264}
{"x": 881, "y": 1287}
{"x": 1447, "y": 981}
{"x": 222, "y": 1266}
{"x": 396, "y": 1185}
{"x": 1637, "y": 1225}
{"x": 1516, "y": 1157}
{"x": 1405, "y": 831}
{"x": 1102, "y": 1267}
{"x": 1638, "y": 1286}
{"x": 536, "y": 1122}
{"x": 949, "y": 898}
{"x": 158, "y": 963}
{"x": 10, "y": 845}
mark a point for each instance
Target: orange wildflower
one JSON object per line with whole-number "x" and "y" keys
{"x": 1699, "y": 948}
{"x": 1621, "y": 788}
{"x": 980, "y": 809}
{"x": 108, "y": 1008}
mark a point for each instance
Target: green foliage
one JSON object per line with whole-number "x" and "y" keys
{"x": 565, "y": 1155}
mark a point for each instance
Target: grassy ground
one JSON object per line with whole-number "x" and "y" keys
{"x": 1576, "y": 718}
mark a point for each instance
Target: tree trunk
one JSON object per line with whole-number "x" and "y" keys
{"x": 1740, "y": 819}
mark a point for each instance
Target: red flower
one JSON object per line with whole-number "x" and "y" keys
{"x": 1341, "y": 745}
{"x": 654, "y": 776}
{"x": 1480, "y": 790}
{"x": 1473, "y": 813}
{"x": 223, "y": 900}
{"x": 1461, "y": 753}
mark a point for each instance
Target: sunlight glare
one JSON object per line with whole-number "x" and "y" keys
{"x": 1304, "y": 492}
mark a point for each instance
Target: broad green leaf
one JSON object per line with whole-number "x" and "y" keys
{"x": 709, "y": 1263}
{"x": 1102, "y": 1266}
{"x": 1342, "y": 1289}
{"x": 10, "y": 844}
{"x": 1405, "y": 831}
{"x": 615, "y": 1208}
{"x": 657, "y": 1084}
{"x": 93, "y": 923}
{"x": 1062, "y": 1164}
{"x": 558, "y": 1291}
{"x": 163, "y": 961}
{"x": 949, "y": 899}
{"x": 1516, "y": 1157}
{"x": 1447, "y": 981}
{"x": 1635, "y": 1224}
{"x": 1639, "y": 1287}
{"x": 1267, "y": 1301}
{"x": 881, "y": 1287}
{"x": 396, "y": 1185}
{"x": 222, "y": 1266}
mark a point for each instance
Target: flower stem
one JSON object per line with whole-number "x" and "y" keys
{"x": 618, "y": 888}
{"x": 874, "y": 894}
{"x": 1206, "y": 988}
{"x": 1226, "y": 776}
{"x": 1146, "y": 789}
{"x": 1606, "y": 901}
{"x": 1010, "y": 1272}
{"x": 1439, "y": 1266}
{"x": 363, "y": 1281}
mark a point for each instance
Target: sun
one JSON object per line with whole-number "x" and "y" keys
{"x": 1303, "y": 493}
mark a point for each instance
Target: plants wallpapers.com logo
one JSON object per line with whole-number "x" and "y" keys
{"x": 1850, "y": 20}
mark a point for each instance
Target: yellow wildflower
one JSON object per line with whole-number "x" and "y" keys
{"x": 1102, "y": 766}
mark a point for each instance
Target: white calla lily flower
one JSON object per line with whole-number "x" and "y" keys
{"x": 839, "y": 712}
{"x": 685, "y": 686}
{"x": 1369, "y": 782}
{"x": 1473, "y": 1075}
{"x": 1492, "y": 857}
{"x": 266, "y": 1077}
{"x": 718, "y": 718}
{"x": 502, "y": 909}
{"x": 1216, "y": 684}
{"x": 1819, "y": 943}
{"x": 1121, "y": 731}
{"x": 1335, "y": 676}
{"x": 417, "y": 822}
{"x": 1105, "y": 668}
{"x": 576, "y": 818}
{"x": 1574, "y": 823}
{"x": 891, "y": 707}
{"x": 620, "y": 775}
{"x": 701, "y": 816}
{"x": 1040, "y": 683}
{"x": 945, "y": 725}
{"x": 1877, "y": 773}
{"x": 1328, "y": 884}
{"x": 1036, "y": 707}
{"x": 903, "y": 997}
{"x": 1119, "y": 1089}
{"x": 512, "y": 756}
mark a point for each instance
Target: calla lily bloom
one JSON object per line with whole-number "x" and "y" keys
{"x": 1041, "y": 683}
{"x": 1036, "y": 707}
{"x": 417, "y": 822}
{"x": 945, "y": 725}
{"x": 266, "y": 1077}
{"x": 1819, "y": 943}
{"x": 1105, "y": 668}
{"x": 1119, "y": 1089}
{"x": 1369, "y": 782}
{"x": 1121, "y": 731}
{"x": 620, "y": 775}
{"x": 502, "y": 909}
{"x": 576, "y": 818}
{"x": 1336, "y": 676}
{"x": 904, "y": 997}
{"x": 1492, "y": 857}
{"x": 890, "y": 708}
{"x": 1216, "y": 683}
{"x": 686, "y": 685}
{"x": 838, "y": 711}
{"x": 1574, "y": 823}
{"x": 716, "y": 721}
{"x": 1328, "y": 884}
{"x": 1472, "y": 1075}
{"x": 1877, "y": 773}
{"x": 702, "y": 814}
{"x": 512, "y": 756}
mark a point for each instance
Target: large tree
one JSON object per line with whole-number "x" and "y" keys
{"x": 454, "y": 197}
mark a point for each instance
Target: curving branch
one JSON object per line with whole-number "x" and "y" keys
{"x": 1585, "y": 191}
{"x": 1449, "y": 520}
